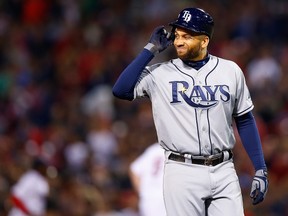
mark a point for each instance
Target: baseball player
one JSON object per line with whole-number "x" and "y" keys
{"x": 30, "y": 192}
{"x": 146, "y": 174}
{"x": 195, "y": 99}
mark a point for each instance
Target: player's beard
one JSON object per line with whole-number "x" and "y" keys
{"x": 191, "y": 54}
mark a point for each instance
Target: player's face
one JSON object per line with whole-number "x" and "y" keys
{"x": 190, "y": 46}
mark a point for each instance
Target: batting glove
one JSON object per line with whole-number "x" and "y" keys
{"x": 259, "y": 186}
{"x": 160, "y": 39}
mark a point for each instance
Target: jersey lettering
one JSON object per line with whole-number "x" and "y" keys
{"x": 205, "y": 96}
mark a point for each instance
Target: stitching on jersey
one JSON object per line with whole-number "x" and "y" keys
{"x": 196, "y": 119}
{"x": 243, "y": 112}
{"x": 175, "y": 147}
{"x": 145, "y": 72}
{"x": 209, "y": 126}
{"x": 183, "y": 72}
{"x": 211, "y": 71}
{"x": 209, "y": 132}
{"x": 197, "y": 124}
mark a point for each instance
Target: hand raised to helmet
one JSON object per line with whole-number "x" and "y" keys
{"x": 160, "y": 39}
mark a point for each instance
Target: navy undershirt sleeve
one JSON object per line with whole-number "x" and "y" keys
{"x": 250, "y": 138}
{"x": 124, "y": 86}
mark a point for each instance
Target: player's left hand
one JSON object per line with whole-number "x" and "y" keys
{"x": 259, "y": 186}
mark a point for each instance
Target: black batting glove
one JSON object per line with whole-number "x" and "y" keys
{"x": 259, "y": 186}
{"x": 160, "y": 39}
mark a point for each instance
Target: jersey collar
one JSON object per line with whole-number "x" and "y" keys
{"x": 197, "y": 64}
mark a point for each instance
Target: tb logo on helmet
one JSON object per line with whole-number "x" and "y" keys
{"x": 186, "y": 16}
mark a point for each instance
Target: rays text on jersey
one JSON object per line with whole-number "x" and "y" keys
{"x": 199, "y": 96}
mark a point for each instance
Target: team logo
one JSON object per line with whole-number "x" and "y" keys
{"x": 186, "y": 16}
{"x": 205, "y": 96}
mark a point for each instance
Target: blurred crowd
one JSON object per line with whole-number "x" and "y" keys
{"x": 58, "y": 62}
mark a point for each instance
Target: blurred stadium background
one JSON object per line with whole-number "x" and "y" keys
{"x": 58, "y": 62}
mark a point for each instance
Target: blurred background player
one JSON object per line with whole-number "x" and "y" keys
{"x": 29, "y": 194}
{"x": 146, "y": 174}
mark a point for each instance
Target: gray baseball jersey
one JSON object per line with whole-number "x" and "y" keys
{"x": 193, "y": 109}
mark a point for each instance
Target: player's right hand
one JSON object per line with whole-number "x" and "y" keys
{"x": 161, "y": 39}
{"x": 259, "y": 186}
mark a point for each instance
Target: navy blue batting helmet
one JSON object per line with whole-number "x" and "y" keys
{"x": 196, "y": 20}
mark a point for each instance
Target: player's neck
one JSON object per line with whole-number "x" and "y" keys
{"x": 198, "y": 64}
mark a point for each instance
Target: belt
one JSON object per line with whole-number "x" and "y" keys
{"x": 211, "y": 160}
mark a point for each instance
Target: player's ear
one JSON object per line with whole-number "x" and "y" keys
{"x": 205, "y": 41}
